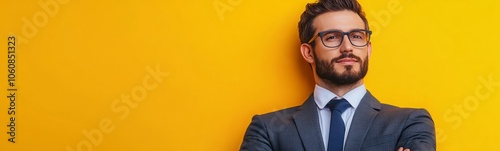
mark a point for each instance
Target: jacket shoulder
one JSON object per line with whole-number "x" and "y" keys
{"x": 395, "y": 112}
{"x": 282, "y": 115}
{"x": 396, "y": 109}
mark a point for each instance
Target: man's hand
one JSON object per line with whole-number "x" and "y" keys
{"x": 401, "y": 149}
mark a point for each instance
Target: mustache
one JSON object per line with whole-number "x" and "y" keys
{"x": 346, "y": 55}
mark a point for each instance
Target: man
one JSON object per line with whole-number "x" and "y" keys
{"x": 340, "y": 114}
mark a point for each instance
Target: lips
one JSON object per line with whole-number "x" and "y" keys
{"x": 347, "y": 60}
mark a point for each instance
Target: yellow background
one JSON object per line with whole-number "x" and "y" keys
{"x": 226, "y": 60}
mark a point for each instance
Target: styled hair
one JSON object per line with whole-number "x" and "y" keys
{"x": 306, "y": 29}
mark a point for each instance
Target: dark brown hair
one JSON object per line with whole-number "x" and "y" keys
{"x": 306, "y": 29}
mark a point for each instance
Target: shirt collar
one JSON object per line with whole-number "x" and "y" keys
{"x": 322, "y": 96}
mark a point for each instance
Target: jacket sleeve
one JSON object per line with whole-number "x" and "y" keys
{"x": 418, "y": 133}
{"x": 256, "y": 137}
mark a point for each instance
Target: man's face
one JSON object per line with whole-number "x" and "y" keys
{"x": 345, "y": 64}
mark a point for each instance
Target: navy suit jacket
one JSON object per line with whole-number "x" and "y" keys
{"x": 374, "y": 127}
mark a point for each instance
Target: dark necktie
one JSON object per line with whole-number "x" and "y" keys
{"x": 337, "y": 127}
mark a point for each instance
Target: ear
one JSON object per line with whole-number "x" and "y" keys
{"x": 306, "y": 51}
{"x": 369, "y": 48}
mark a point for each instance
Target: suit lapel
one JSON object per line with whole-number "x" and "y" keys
{"x": 307, "y": 121}
{"x": 367, "y": 109}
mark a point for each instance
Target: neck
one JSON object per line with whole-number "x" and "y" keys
{"x": 339, "y": 90}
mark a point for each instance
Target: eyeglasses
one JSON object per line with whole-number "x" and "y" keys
{"x": 334, "y": 38}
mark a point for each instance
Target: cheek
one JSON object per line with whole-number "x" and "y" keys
{"x": 363, "y": 54}
{"x": 327, "y": 54}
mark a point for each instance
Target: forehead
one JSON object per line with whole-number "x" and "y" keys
{"x": 344, "y": 20}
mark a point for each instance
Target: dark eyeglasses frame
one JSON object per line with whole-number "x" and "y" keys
{"x": 320, "y": 34}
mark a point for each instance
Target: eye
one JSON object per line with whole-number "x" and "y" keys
{"x": 330, "y": 37}
{"x": 357, "y": 37}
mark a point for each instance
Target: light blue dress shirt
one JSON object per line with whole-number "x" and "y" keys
{"x": 322, "y": 96}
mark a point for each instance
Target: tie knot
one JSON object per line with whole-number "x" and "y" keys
{"x": 339, "y": 105}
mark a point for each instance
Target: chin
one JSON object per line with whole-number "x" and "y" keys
{"x": 345, "y": 68}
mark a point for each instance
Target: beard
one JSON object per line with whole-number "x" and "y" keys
{"x": 326, "y": 71}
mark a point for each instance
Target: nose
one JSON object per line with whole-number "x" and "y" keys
{"x": 346, "y": 45}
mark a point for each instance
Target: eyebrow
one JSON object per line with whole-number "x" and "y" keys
{"x": 355, "y": 29}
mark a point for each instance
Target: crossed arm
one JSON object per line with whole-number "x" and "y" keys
{"x": 418, "y": 133}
